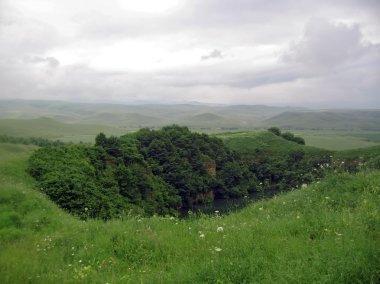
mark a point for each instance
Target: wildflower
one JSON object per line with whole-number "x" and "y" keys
{"x": 202, "y": 236}
{"x": 216, "y": 211}
{"x": 85, "y": 209}
{"x": 298, "y": 216}
{"x": 326, "y": 197}
{"x": 171, "y": 218}
{"x": 261, "y": 208}
{"x": 217, "y": 249}
{"x": 219, "y": 229}
{"x": 304, "y": 185}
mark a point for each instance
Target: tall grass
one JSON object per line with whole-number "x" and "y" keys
{"x": 326, "y": 233}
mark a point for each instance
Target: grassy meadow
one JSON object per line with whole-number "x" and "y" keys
{"x": 325, "y": 233}
{"x": 334, "y": 140}
{"x": 339, "y": 140}
{"x": 55, "y": 130}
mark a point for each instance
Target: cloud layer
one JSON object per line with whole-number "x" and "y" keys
{"x": 314, "y": 53}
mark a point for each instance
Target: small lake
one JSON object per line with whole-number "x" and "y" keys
{"x": 225, "y": 206}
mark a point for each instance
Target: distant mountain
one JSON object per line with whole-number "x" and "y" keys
{"x": 202, "y": 116}
{"x": 196, "y": 116}
{"x": 331, "y": 119}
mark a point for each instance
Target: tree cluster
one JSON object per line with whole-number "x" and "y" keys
{"x": 287, "y": 135}
{"x": 38, "y": 141}
{"x": 148, "y": 172}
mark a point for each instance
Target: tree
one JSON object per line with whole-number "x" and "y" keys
{"x": 275, "y": 130}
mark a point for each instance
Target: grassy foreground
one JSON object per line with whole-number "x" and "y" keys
{"x": 326, "y": 233}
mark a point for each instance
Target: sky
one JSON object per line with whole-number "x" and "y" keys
{"x": 322, "y": 54}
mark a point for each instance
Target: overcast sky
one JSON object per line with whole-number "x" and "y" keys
{"x": 281, "y": 52}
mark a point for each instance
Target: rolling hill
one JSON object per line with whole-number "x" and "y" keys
{"x": 49, "y": 128}
{"x": 147, "y": 115}
{"x": 332, "y": 119}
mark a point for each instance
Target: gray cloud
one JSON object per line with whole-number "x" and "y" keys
{"x": 215, "y": 54}
{"x": 50, "y": 61}
{"x": 325, "y": 45}
{"x": 308, "y": 52}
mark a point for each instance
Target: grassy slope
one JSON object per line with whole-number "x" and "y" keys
{"x": 339, "y": 140}
{"x": 333, "y": 119}
{"x": 329, "y": 140}
{"x": 49, "y": 128}
{"x": 248, "y": 142}
{"x": 366, "y": 153}
{"x": 327, "y": 233}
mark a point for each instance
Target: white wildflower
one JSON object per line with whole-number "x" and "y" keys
{"x": 220, "y": 229}
{"x": 217, "y": 249}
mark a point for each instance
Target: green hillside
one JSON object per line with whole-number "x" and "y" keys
{"x": 334, "y": 119}
{"x": 248, "y": 143}
{"x": 52, "y": 129}
{"x": 326, "y": 233}
{"x": 209, "y": 120}
{"x": 130, "y": 120}
{"x": 339, "y": 139}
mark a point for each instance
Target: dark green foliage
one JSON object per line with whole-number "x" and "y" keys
{"x": 290, "y": 137}
{"x": 280, "y": 164}
{"x": 275, "y": 130}
{"x": 38, "y": 141}
{"x": 195, "y": 164}
{"x": 287, "y": 135}
{"x": 68, "y": 177}
{"x": 154, "y": 171}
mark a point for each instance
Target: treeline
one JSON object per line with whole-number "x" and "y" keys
{"x": 287, "y": 135}
{"x": 147, "y": 172}
{"x": 38, "y": 141}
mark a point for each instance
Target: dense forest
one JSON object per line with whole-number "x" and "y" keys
{"x": 161, "y": 171}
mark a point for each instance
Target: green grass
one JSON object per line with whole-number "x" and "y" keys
{"x": 326, "y": 233}
{"x": 247, "y": 143}
{"x": 366, "y": 153}
{"x": 52, "y": 129}
{"x": 324, "y": 139}
{"x": 339, "y": 140}
{"x": 327, "y": 119}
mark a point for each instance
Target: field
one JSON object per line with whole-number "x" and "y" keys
{"x": 55, "y": 130}
{"x": 75, "y": 132}
{"x": 339, "y": 140}
{"x": 325, "y": 233}
{"x": 329, "y": 140}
